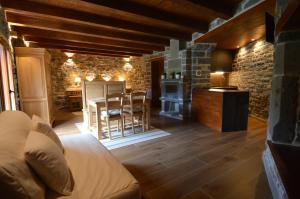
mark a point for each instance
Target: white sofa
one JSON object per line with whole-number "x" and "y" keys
{"x": 96, "y": 173}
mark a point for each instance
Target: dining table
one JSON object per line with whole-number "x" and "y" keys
{"x": 98, "y": 103}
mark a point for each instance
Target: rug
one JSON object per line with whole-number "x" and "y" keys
{"x": 129, "y": 137}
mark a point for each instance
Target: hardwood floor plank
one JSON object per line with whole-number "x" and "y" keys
{"x": 196, "y": 162}
{"x": 223, "y": 185}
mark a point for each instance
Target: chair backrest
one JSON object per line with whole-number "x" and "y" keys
{"x": 115, "y": 88}
{"x": 137, "y": 100}
{"x": 98, "y": 88}
{"x": 114, "y": 102}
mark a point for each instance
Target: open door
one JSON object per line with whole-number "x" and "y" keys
{"x": 7, "y": 84}
{"x": 157, "y": 69}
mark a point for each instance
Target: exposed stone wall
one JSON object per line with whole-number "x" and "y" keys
{"x": 252, "y": 70}
{"x": 63, "y": 76}
{"x": 219, "y": 80}
{"x": 244, "y": 5}
{"x": 3, "y": 25}
{"x": 201, "y": 58}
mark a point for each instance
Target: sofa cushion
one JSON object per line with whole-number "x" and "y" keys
{"x": 96, "y": 173}
{"x": 48, "y": 161}
{"x": 16, "y": 178}
{"x": 43, "y": 127}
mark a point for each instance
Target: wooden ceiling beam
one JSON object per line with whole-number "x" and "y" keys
{"x": 61, "y": 41}
{"x": 151, "y": 12}
{"x": 221, "y": 9}
{"x": 92, "y": 53}
{"x": 62, "y": 47}
{"x": 241, "y": 29}
{"x": 59, "y": 13}
{"x": 84, "y": 39}
{"x": 48, "y": 24}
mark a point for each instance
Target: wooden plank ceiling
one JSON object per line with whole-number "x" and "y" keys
{"x": 241, "y": 29}
{"x": 112, "y": 27}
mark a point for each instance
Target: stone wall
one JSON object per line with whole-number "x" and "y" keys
{"x": 201, "y": 62}
{"x": 63, "y": 76}
{"x": 244, "y": 5}
{"x": 252, "y": 70}
{"x": 4, "y": 32}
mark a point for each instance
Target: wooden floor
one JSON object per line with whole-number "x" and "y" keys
{"x": 195, "y": 162}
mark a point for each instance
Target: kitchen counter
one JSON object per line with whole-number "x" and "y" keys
{"x": 221, "y": 109}
{"x": 226, "y": 90}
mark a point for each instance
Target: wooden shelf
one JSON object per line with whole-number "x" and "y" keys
{"x": 241, "y": 29}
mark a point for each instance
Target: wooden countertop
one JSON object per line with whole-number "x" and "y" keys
{"x": 219, "y": 90}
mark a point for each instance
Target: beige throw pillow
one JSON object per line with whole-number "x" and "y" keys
{"x": 48, "y": 161}
{"x": 17, "y": 180}
{"x": 42, "y": 127}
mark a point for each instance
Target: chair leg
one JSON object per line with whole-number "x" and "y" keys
{"x": 122, "y": 126}
{"x": 108, "y": 127}
{"x": 132, "y": 123}
{"x": 143, "y": 123}
{"x": 123, "y": 121}
{"x": 118, "y": 126}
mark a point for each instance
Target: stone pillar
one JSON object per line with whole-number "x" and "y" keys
{"x": 284, "y": 113}
{"x": 284, "y": 97}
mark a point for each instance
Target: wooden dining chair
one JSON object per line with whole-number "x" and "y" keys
{"x": 135, "y": 108}
{"x": 113, "y": 111}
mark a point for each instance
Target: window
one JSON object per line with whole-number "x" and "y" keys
{"x": 8, "y": 95}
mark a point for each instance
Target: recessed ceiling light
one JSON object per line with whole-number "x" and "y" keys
{"x": 69, "y": 54}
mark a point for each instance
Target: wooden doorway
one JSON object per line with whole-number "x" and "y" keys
{"x": 6, "y": 78}
{"x": 157, "y": 69}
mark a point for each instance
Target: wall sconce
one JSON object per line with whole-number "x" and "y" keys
{"x": 121, "y": 78}
{"x": 90, "y": 76}
{"x": 258, "y": 45}
{"x": 106, "y": 77}
{"x": 127, "y": 67}
{"x": 69, "y": 62}
{"x": 77, "y": 81}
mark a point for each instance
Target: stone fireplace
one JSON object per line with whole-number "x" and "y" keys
{"x": 174, "y": 103}
{"x": 175, "y": 98}
{"x": 192, "y": 62}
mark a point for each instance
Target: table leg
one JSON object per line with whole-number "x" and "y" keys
{"x": 98, "y": 122}
{"x": 90, "y": 115}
